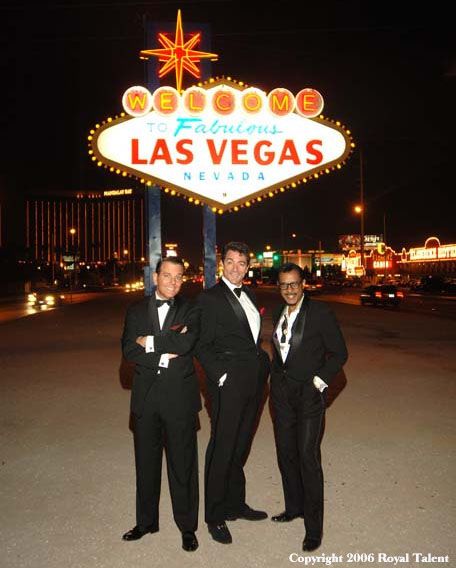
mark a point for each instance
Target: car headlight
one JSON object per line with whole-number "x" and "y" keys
{"x": 31, "y": 298}
{"x": 50, "y": 300}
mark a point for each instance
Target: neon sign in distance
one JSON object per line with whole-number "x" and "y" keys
{"x": 222, "y": 145}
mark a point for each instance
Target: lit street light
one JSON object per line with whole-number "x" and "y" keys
{"x": 72, "y": 232}
{"x": 384, "y": 242}
{"x": 114, "y": 275}
{"x": 359, "y": 210}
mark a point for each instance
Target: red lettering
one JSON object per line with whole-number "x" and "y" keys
{"x": 268, "y": 156}
{"x": 317, "y": 155}
{"x": 160, "y": 152}
{"x": 180, "y": 147}
{"x": 135, "y": 159}
{"x": 216, "y": 156}
{"x": 237, "y": 151}
{"x": 289, "y": 153}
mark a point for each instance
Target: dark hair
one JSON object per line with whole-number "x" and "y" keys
{"x": 241, "y": 248}
{"x": 172, "y": 259}
{"x": 289, "y": 267}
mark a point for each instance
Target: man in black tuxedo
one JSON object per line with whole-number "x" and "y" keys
{"x": 159, "y": 335}
{"x": 308, "y": 351}
{"x": 237, "y": 369}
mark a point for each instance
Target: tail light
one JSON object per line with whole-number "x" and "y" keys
{"x": 400, "y": 294}
{"x": 378, "y": 294}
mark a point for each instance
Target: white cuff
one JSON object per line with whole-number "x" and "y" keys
{"x": 164, "y": 360}
{"x": 150, "y": 348}
{"x": 319, "y": 384}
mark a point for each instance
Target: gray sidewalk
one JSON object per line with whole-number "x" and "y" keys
{"x": 67, "y": 473}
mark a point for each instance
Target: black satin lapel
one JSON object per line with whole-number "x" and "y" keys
{"x": 253, "y": 299}
{"x": 238, "y": 309}
{"x": 154, "y": 322}
{"x": 171, "y": 315}
{"x": 276, "y": 345}
{"x": 297, "y": 331}
{"x": 275, "y": 339}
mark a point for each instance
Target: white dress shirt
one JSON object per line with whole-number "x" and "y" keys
{"x": 251, "y": 312}
{"x": 285, "y": 347}
{"x": 150, "y": 348}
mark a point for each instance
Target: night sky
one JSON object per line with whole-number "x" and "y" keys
{"x": 386, "y": 70}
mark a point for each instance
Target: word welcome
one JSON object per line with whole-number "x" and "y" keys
{"x": 138, "y": 101}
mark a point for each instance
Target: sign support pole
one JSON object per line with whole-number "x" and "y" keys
{"x": 153, "y": 200}
{"x": 209, "y": 217}
{"x": 210, "y": 241}
{"x": 152, "y": 194}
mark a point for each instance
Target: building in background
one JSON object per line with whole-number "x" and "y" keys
{"x": 65, "y": 231}
{"x": 383, "y": 262}
{"x": 100, "y": 226}
{"x": 431, "y": 259}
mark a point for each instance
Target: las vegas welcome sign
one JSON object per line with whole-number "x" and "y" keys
{"x": 221, "y": 143}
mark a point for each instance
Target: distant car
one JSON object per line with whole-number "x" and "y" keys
{"x": 45, "y": 298}
{"x": 134, "y": 286}
{"x": 381, "y": 295}
{"x": 252, "y": 281}
{"x": 90, "y": 287}
{"x": 436, "y": 285}
{"x": 313, "y": 287}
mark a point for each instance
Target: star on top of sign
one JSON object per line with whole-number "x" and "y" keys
{"x": 178, "y": 55}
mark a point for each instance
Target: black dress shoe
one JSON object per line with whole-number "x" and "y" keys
{"x": 136, "y": 533}
{"x": 310, "y": 544}
{"x": 284, "y": 517}
{"x": 248, "y": 514}
{"x": 220, "y": 532}
{"x": 189, "y": 541}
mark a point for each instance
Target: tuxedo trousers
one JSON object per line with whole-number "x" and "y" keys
{"x": 234, "y": 412}
{"x": 157, "y": 430}
{"x": 298, "y": 414}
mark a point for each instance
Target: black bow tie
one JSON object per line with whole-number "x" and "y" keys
{"x": 238, "y": 291}
{"x": 159, "y": 303}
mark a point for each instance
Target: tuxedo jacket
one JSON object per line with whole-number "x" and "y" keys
{"x": 180, "y": 387}
{"x": 226, "y": 343}
{"x": 317, "y": 346}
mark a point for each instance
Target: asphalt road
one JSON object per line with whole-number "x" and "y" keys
{"x": 17, "y": 307}
{"x": 441, "y": 306}
{"x": 430, "y": 304}
{"x": 67, "y": 474}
